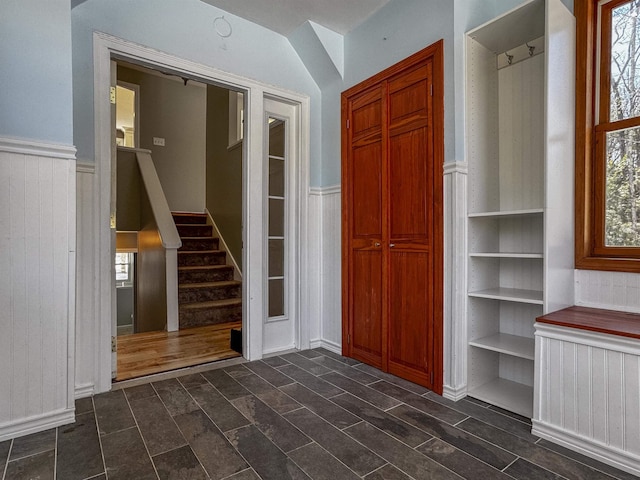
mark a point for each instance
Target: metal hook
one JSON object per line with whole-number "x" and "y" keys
{"x": 531, "y": 49}
{"x": 509, "y": 58}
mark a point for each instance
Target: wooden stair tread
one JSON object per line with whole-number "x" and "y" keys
{"x": 229, "y": 302}
{"x": 222, "y": 283}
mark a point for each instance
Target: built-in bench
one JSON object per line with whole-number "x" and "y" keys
{"x": 587, "y": 383}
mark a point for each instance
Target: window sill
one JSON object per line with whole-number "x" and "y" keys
{"x": 608, "y": 264}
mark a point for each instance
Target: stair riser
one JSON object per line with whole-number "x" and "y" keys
{"x": 192, "y": 219}
{"x": 208, "y": 294}
{"x": 197, "y": 244}
{"x": 210, "y": 316}
{"x": 195, "y": 230}
{"x": 199, "y": 259}
{"x": 205, "y": 276}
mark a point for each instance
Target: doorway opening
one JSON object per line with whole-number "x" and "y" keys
{"x": 259, "y": 336}
{"x": 197, "y": 150}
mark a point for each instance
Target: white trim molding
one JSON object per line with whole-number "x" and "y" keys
{"x": 456, "y": 167}
{"x": 254, "y": 309}
{"x": 36, "y": 423}
{"x": 586, "y": 393}
{"x": 455, "y": 280}
{"x": 323, "y": 191}
{"x": 37, "y": 149}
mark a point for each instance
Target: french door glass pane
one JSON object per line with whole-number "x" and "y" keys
{"x": 276, "y": 297}
{"x": 276, "y": 217}
{"x": 276, "y": 258}
{"x": 623, "y": 188}
{"x": 277, "y": 201}
{"x": 276, "y": 177}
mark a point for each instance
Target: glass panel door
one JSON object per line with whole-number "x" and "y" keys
{"x": 277, "y": 220}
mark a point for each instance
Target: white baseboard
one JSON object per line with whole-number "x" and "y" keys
{"x": 85, "y": 390}
{"x": 611, "y": 456}
{"x": 279, "y": 351}
{"x": 454, "y": 394}
{"x": 35, "y": 424}
{"x": 331, "y": 346}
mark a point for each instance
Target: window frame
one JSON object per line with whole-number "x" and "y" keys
{"x": 590, "y": 251}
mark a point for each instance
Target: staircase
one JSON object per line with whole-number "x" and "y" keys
{"x": 207, "y": 292}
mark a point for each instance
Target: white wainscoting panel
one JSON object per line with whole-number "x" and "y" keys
{"x": 314, "y": 267}
{"x": 86, "y": 318}
{"x": 37, "y": 296}
{"x": 608, "y": 290}
{"x": 455, "y": 298}
{"x": 587, "y": 394}
{"x": 331, "y": 276}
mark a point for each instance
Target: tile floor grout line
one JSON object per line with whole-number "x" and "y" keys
{"x": 195, "y": 454}
{"x": 518, "y": 457}
{"x": 387, "y": 464}
{"x": 6, "y": 464}
{"x": 464, "y": 452}
{"x": 171, "y": 449}
{"x": 95, "y": 416}
{"x": 461, "y": 421}
{"x": 141, "y": 436}
{"x": 55, "y": 454}
{"x": 433, "y": 437}
{"x": 329, "y": 453}
{"x": 236, "y": 473}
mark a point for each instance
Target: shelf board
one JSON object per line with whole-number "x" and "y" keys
{"x": 512, "y": 396}
{"x": 510, "y": 295}
{"x": 513, "y": 345}
{"x": 507, "y": 213}
{"x": 505, "y": 255}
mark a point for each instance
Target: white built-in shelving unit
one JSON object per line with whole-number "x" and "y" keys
{"x": 519, "y": 129}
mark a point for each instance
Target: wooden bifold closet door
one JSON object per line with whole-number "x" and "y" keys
{"x": 392, "y": 156}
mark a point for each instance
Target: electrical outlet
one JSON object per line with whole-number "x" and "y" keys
{"x": 158, "y": 141}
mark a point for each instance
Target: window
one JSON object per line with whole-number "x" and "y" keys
{"x": 124, "y": 268}
{"x": 608, "y": 135}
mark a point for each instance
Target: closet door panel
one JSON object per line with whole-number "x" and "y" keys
{"x": 410, "y": 192}
{"x": 411, "y": 226}
{"x": 410, "y": 339}
{"x": 365, "y": 191}
{"x": 367, "y": 306}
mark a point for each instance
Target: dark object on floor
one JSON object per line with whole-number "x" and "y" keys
{"x": 236, "y": 340}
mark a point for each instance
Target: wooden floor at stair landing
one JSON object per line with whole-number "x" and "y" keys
{"x": 154, "y": 352}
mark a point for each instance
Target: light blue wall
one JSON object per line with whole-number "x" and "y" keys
{"x": 35, "y": 70}
{"x": 185, "y": 28}
{"x": 396, "y": 31}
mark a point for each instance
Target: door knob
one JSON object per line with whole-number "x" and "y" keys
{"x": 392, "y": 245}
{"x": 377, "y": 244}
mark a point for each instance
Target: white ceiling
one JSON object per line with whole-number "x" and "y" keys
{"x": 284, "y": 16}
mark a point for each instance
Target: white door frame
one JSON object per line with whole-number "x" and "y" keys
{"x": 254, "y": 313}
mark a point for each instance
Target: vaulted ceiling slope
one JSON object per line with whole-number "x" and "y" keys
{"x": 284, "y": 16}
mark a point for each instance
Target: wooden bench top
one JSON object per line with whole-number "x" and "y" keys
{"x": 596, "y": 320}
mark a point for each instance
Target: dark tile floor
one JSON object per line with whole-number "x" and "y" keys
{"x": 302, "y": 415}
